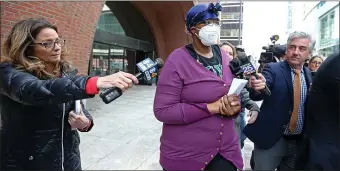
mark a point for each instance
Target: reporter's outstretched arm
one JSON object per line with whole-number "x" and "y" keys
{"x": 25, "y": 88}
{"x": 269, "y": 76}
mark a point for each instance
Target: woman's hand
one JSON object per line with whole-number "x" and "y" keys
{"x": 79, "y": 121}
{"x": 214, "y": 108}
{"x": 230, "y": 105}
{"x": 120, "y": 79}
{"x": 252, "y": 116}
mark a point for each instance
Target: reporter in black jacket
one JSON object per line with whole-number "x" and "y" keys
{"x": 37, "y": 94}
{"x": 321, "y": 147}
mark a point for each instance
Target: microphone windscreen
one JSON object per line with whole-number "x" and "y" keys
{"x": 159, "y": 62}
{"x": 242, "y": 57}
{"x": 235, "y": 65}
{"x": 235, "y": 62}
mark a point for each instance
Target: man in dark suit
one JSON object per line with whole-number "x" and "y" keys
{"x": 323, "y": 117}
{"x": 280, "y": 122}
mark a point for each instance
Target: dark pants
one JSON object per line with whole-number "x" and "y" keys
{"x": 243, "y": 124}
{"x": 219, "y": 163}
{"x": 282, "y": 154}
{"x": 323, "y": 155}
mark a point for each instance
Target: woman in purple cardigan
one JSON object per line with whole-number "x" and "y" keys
{"x": 198, "y": 128}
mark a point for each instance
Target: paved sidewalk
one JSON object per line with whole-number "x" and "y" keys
{"x": 126, "y": 133}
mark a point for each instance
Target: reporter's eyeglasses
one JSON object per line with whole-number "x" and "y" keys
{"x": 51, "y": 44}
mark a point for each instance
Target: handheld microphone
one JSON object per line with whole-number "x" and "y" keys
{"x": 249, "y": 69}
{"x": 146, "y": 68}
{"x": 235, "y": 68}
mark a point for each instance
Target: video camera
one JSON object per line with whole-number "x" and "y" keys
{"x": 273, "y": 52}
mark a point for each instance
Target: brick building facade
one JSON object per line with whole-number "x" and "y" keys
{"x": 77, "y": 23}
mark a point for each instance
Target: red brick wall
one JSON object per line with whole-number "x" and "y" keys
{"x": 76, "y": 23}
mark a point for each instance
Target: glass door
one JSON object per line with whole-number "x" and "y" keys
{"x": 118, "y": 61}
{"x": 99, "y": 62}
{"x": 131, "y": 61}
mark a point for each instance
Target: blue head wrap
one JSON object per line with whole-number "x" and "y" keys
{"x": 202, "y": 12}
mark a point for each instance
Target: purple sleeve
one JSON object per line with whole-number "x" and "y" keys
{"x": 167, "y": 105}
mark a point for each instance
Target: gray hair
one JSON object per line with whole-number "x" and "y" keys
{"x": 301, "y": 35}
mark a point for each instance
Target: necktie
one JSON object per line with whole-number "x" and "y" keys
{"x": 297, "y": 98}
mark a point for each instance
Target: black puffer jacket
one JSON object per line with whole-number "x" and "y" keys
{"x": 35, "y": 133}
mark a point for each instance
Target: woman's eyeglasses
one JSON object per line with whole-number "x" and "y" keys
{"x": 316, "y": 62}
{"x": 51, "y": 44}
{"x": 210, "y": 22}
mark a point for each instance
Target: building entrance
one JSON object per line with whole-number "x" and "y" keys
{"x": 115, "y": 49}
{"x": 108, "y": 59}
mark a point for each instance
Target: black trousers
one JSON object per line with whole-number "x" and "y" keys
{"x": 219, "y": 163}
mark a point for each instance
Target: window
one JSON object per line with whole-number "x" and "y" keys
{"x": 234, "y": 32}
{"x": 235, "y": 42}
{"x": 331, "y": 24}
{"x": 109, "y": 22}
{"x": 225, "y": 32}
{"x": 230, "y": 16}
{"x": 329, "y": 50}
{"x": 229, "y": 32}
{"x": 326, "y": 26}
{"x": 289, "y": 21}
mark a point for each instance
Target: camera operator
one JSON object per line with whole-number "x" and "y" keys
{"x": 38, "y": 91}
{"x": 274, "y": 53}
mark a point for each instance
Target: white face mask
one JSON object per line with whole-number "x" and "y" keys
{"x": 209, "y": 34}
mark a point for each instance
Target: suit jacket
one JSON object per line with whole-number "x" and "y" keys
{"x": 276, "y": 109}
{"x": 323, "y": 120}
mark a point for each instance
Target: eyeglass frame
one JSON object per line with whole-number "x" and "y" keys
{"x": 199, "y": 14}
{"x": 315, "y": 62}
{"x": 54, "y": 42}
{"x": 210, "y": 22}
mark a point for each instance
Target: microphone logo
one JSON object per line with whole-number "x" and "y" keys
{"x": 152, "y": 70}
{"x": 248, "y": 69}
{"x": 147, "y": 69}
{"x": 146, "y": 64}
{"x": 147, "y": 75}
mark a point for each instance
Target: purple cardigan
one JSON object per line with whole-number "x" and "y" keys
{"x": 191, "y": 135}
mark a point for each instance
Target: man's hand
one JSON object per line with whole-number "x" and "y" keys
{"x": 252, "y": 116}
{"x": 120, "y": 79}
{"x": 257, "y": 84}
{"x": 230, "y": 105}
{"x": 79, "y": 121}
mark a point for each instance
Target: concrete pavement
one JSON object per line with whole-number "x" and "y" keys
{"x": 126, "y": 133}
